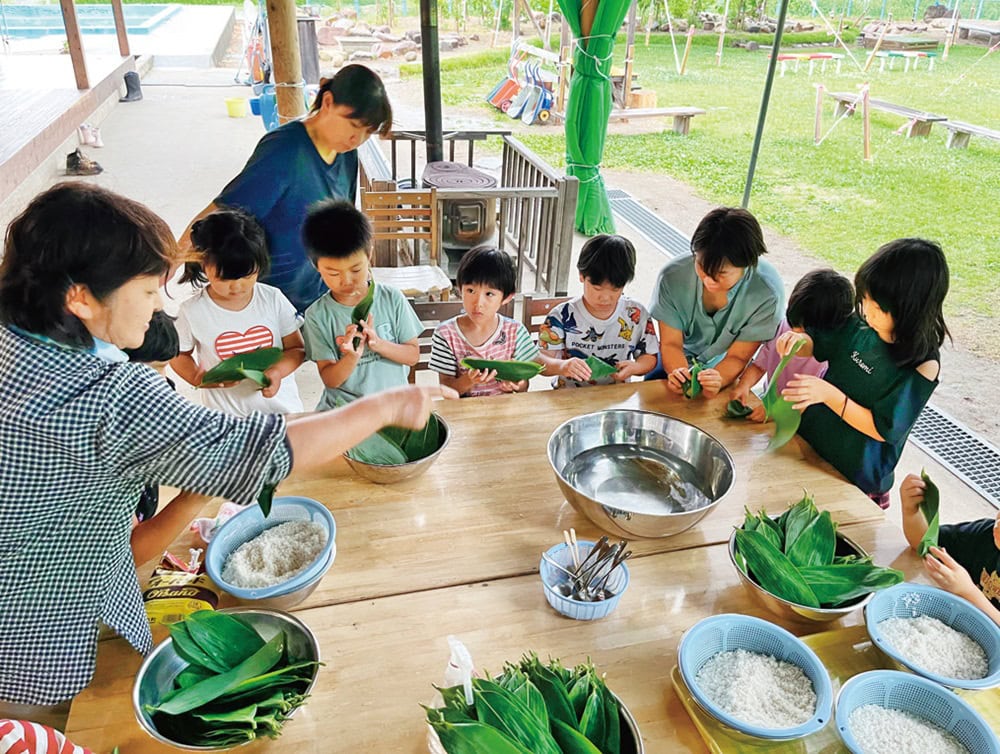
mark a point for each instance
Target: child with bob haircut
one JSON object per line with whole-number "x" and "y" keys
{"x": 83, "y": 431}
{"x": 602, "y": 322}
{"x": 487, "y": 279}
{"x": 973, "y": 571}
{"x": 353, "y": 359}
{"x": 821, "y": 300}
{"x": 233, "y": 313}
{"x": 884, "y": 363}
{"x": 718, "y": 305}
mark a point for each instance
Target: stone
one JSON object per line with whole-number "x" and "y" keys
{"x": 383, "y": 36}
{"x": 361, "y": 55}
{"x": 411, "y": 56}
{"x": 327, "y": 36}
{"x": 413, "y": 34}
{"x": 401, "y": 48}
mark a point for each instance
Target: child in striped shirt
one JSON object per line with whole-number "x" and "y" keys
{"x": 486, "y": 278}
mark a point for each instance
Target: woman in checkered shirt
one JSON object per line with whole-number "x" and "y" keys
{"x": 82, "y": 431}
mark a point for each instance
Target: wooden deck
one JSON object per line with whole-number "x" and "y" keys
{"x": 43, "y": 107}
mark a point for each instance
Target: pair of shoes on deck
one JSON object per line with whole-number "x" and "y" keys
{"x": 77, "y": 163}
{"x": 90, "y": 136}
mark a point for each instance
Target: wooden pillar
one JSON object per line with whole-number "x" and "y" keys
{"x": 120, "y": 30}
{"x": 285, "y": 57}
{"x": 75, "y": 44}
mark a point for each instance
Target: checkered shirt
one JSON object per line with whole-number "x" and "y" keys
{"x": 79, "y": 439}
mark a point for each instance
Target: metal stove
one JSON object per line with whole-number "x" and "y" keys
{"x": 464, "y": 222}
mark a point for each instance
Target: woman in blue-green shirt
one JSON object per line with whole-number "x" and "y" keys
{"x": 718, "y": 305}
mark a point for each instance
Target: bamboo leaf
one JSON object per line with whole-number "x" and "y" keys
{"x": 223, "y": 637}
{"x": 799, "y": 517}
{"x": 816, "y": 545}
{"x": 786, "y": 419}
{"x": 233, "y": 368}
{"x": 930, "y": 508}
{"x": 691, "y": 387}
{"x": 773, "y": 570}
{"x": 361, "y": 311}
{"x": 212, "y": 688}
{"x": 378, "y": 450}
{"x": 189, "y": 650}
{"x": 507, "y": 370}
{"x": 599, "y": 368}
{"x": 738, "y": 410}
{"x": 834, "y": 585}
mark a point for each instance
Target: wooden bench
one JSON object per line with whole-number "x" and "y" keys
{"x": 682, "y": 116}
{"x": 907, "y": 56}
{"x": 967, "y": 30}
{"x": 919, "y": 124}
{"x": 959, "y": 133}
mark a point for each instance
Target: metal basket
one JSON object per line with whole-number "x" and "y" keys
{"x": 728, "y": 632}
{"x": 913, "y": 600}
{"x": 249, "y": 523}
{"x": 919, "y": 697}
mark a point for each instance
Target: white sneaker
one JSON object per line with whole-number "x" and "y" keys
{"x": 95, "y": 137}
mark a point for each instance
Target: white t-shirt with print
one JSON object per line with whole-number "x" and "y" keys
{"x": 624, "y": 336}
{"x": 214, "y": 334}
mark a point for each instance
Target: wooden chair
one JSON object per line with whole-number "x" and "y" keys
{"x": 404, "y": 215}
{"x": 433, "y": 313}
{"x": 535, "y": 310}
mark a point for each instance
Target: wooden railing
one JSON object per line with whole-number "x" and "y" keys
{"x": 535, "y": 204}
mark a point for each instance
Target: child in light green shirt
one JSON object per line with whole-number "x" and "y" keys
{"x": 354, "y": 360}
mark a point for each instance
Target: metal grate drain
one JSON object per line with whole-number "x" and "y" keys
{"x": 971, "y": 458}
{"x": 665, "y": 236}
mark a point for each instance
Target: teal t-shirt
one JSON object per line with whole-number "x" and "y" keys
{"x": 395, "y": 321}
{"x": 753, "y": 309}
{"x": 861, "y": 366}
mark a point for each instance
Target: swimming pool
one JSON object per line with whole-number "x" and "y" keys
{"x": 30, "y": 21}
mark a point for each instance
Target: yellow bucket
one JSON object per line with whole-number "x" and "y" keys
{"x": 236, "y": 106}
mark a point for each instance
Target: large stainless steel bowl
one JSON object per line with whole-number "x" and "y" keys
{"x": 398, "y": 472}
{"x": 638, "y": 473}
{"x": 790, "y": 610}
{"x": 156, "y": 675}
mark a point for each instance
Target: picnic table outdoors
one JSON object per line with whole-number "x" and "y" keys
{"x": 456, "y": 551}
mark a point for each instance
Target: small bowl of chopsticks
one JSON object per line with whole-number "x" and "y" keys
{"x": 585, "y": 580}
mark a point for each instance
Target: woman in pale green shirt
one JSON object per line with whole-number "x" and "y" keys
{"x": 718, "y": 305}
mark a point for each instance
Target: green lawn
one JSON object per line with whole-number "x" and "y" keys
{"x": 825, "y": 197}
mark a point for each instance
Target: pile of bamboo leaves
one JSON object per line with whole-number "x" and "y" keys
{"x": 794, "y": 556}
{"x": 236, "y": 687}
{"x": 531, "y": 709}
{"x": 394, "y": 445}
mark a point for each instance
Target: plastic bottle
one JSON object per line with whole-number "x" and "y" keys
{"x": 460, "y": 668}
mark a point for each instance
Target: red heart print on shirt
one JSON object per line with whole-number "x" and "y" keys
{"x": 231, "y": 343}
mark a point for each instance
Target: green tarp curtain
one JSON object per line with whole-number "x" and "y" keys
{"x": 589, "y": 107}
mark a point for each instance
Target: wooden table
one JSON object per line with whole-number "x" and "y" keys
{"x": 456, "y": 552}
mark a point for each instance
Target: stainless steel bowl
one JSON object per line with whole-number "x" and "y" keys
{"x": 156, "y": 675}
{"x": 399, "y": 472}
{"x": 638, "y": 473}
{"x": 790, "y": 610}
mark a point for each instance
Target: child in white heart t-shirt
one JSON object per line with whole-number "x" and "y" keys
{"x": 232, "y": 313}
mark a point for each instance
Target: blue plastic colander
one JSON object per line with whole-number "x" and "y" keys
{"x": 921, "y": 698}
{"x": 913, "y": 600}
{"x": 247, "y": 524}
{"x": 728, "y": 632}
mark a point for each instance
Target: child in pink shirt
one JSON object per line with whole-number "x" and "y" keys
{"x": 822, "y": 300}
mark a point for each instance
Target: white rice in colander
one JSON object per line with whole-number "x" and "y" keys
{"x": 275, "y": 555}
{"x": 936, "y": 647}
{"x": 879, "y": 730}
{"x": 758, "y": 689}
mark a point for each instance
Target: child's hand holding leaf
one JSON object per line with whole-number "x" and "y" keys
{"x": 626, "y": 370}
{"x": 480, "y": 376}
{"x": 677, "y": 378}
{"x": 271, "y": 389}
{"x": 946, "y": 573}
{"x": 575, "y": 369}
{"x": 805, "y": 390}
{"x": 352, "y": 342}
{"x": 710, "y": 381}
{"x": 371, "y": 337}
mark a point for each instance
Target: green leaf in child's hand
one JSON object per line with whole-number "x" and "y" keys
{"x": 242, "y": 366}
{"x": 738, "y": 410}
{"x": 360, "y": 312}
{"x": 691, "y": 387}
{"x": 786, "y": 419}
{"x": 599, "y": 368}
{"x": 930, "y": 508}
